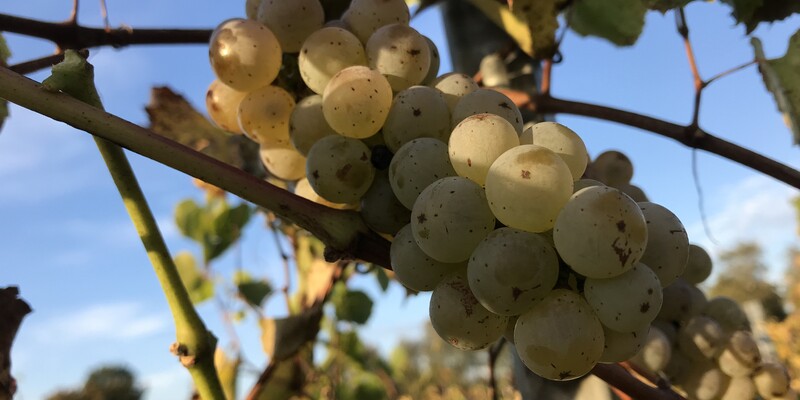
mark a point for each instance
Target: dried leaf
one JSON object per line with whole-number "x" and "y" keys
{"x": 782, "y": 78}
{"x": 228, "y": 371}
{"x": 12, "y": 311}
{"x": 283, "y": 337}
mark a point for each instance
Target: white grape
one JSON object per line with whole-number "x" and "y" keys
{"x": 511, "y": 269}
{"x": 415, "y": 269}
{"x": 771, "y": 380}
{"x": 433, "y": 70}
{"x": 600, "y": 232}
{"x": 740, "y": 356}
{"x": 365, "y": 16}
{"x": 527, "y": 186}
{"x": 698, "y": 265}
{"x": 454, "y": 86}
{"x": 458, "y": 317}
{"x": 222, "y": 104}
{"x": 655, "y": 353}
{"x": 701, "y": 338}
{"x": 326, "y": 52}
{"x": 667, "y": 243}
{"x": 416, "y": 112}
{"x": 488, "y": 101}
{"x": 401, "y": 54}
{"x": 562, "y": 141}
{"x": 339, "y": 169}
{"x": 477, "y": 142}
{"x": 264, "y": 115}
{"x": 303, "y": 189}
{"x": 291, "y": 21}
{"x": 742, "y": 388}
{"x": 560, "y": 338}
{"x": 625, "y": 302}
{"x": 621, "y": 346}
{"x": 307, "y": 124}
{"x": 416, "y": 165}
{"x": 584, "y": 183}
{"x": 450, "y": 218}
{"x": 244, "y": 54}
{"x": 283, "y": 161}
{"x": 356, "y": 102}
{"x": 727, "y": 313}
{"x": 634, "y": 192}
{"x": 705, "y": 382}
{"x": 380, "y": 208}
{"x": 613, "y": 168}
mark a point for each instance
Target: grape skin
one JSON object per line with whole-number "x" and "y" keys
{"x": 487, "y": 101}
{"x": 339, "y": 169}
{"x": 698, "y": 265}
{"x": 244, "y": 54}
{"x": 626, "y": 302}
{"x": 621, "y": 346}
{"x": 477, "y": 142}
{"x": 356, "y": 102}
{"x": 562, "y": 141}
{"x": 365, "y": 16}
{"x": 325, "y": 53}
{"x": 307, "y": 124}
{"x": 264, "y": 115}
{"x": 284, "y": 162}
{"x": 222, "y": 104}
{"x": 401, "y": 54}
{"x": 667, "y": 243}
{"x": 416, "y": 112}
{"x": 380, "y": 209}
{"x": 454, "y": 86}
{"x": 613, "y": 168}
{"x": 415, "y": 269}
{"x": 655, "y": 353}
{"x": 291, "y": 21}
{"x": 416, "y": 165}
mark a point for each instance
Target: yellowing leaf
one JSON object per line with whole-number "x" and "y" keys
{"x": 515, "y": 25}
{"x": 283, "y": 337}
{"x": 200, "y": 288}
{"x": 782, "y": 78}
{"x": 227, "y": 370}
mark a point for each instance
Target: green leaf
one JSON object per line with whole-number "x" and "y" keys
{"x": 351, "y": 305}
{"x": 782, "y": 78}
{"x": 382, "y": 277}
{"x": 753, "y": 12}
{"x": 665, "y": 5}
{"x": 369, "y": 386}
{"x": 215, "y": 226}
{"x": 250, "y": 290}
{"x": 189, "y": 219}
{"x": 618, "y": 21}
{"x": 200, "y": 288}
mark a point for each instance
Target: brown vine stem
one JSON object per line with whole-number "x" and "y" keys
{"x": 683, "y": 30}
{"x": 67, "y": 35}
{"x": 631, "y": 386}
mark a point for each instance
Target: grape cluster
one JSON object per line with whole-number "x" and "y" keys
{"x": 509, "y": 225}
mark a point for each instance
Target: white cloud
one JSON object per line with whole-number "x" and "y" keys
{"x": 756, "y": 209}
{"x": 116, "y": 321}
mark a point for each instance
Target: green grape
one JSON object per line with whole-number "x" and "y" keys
{"x": 356, "y": 102}
{"x": 667, "y": 243}
{"x": 621, "y": 346}
{"x": 477, "y": 142}
{"x": 244, "y": 54}
{"x": 740, "y": 356}
{"x": 307, "y": 124}
{"x": 303, "y": 189}
{"x": 400, "y": 53}
{"x": 413, "y": 268}
{"x": 450, "y": 218}
{"x": 626, "y": 302}
{"x": 380, "y": 209}
{"x": 416, "y": 165}
{"x": 742, "y": 388}
{"x": 222, "y": 104}
{"x": 698, "y": 266}
{"x": 291, "y": 21}
{"x": 454, "y": 86}
{"x": 701, "y": 338}
{"x": 487, "y": 101}
{"x": 705, "y": 382}
{"x": 563, "y": 141}
{"x": 264, "y": 115}
{"x": 416, "y": 112}
{"x": 668, "y": 329}
{"x": 251, "y": 8}
{"x": 584, "y": 183}
{"x": 613, "y": 168}
{"x": 511, "y": 270}
{"x": 560, "y": 338}
{"x": 339, "y": 169}
{"x": 727, "y": 313}
{"x": 326, "y": 52}
{"x": 458, "y": 317}
{"x": 678, "y": 305}
{"x": 771, "y": 380}
{"x": 634, "y": 192}
{"x": 699, "y": 301}
{"x": 655, "y": 353}
{"x": 527, "y": 186}
{"x": 283, "y": 161}
{"x": 601, "y": 232}
{"x": 365, "y": 16}
{"x": 433, "y": 70}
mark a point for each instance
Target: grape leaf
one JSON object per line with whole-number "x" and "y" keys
{"x": 515, "y": 25}
{"x": 200, "y": 288}
{"x": 542, "y": 20}
{"x": 665, "y": 5}
{"x": 618, "y": 21}
{"x": 753, "y": 12}
{"x": 283, "y": 337}
{"x": 228, "y": 370}
{"x": 782, "y": 78}
{"x": 251, "y": 290}
{"x": 12, "y": 311}
{"x": 351, "y": 305}
{"x": 215, "y": 226}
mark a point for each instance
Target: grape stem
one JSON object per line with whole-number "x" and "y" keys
{"x": 621, "y": 379}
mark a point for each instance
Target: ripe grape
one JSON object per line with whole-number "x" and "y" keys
{"x": 771, "y": 380}
{"x": 487, "y": 101}
{"x": 626, "y": 302}
{"x": 740, "y": 356}
{"x": 450, "y": 218}
{"x": 458, "y": 317}
{"x": 365, "y": 16}
{"x": 339, "y": 169}
{"x": 677, "y": 306}
{"x": 356, "y": 102}
{"x": 655, "y": 353}
{"x": 283, "y": 161}
{"x": 634, "y": 192}
{"x": 416, "y": 165}
{"x": 303, "y": 189}
{"x": 613, "y": 168}
{"x": 380, "y": 209}
{"x": 701, "y": 338}
{"x": 621, "y": 346}
{"x": 511, "y": 269}
{"x": 264, "y": 115}
{"x": 415, "y": 269}
{"x": 698, "y": 266}
{"x": 727, "y": 313}
{"x": 326, "y": 52}
{"x": 560, "y": 338}
{"x": 454, "y": 86}
{"x": 222, "y": 104}
{"x": 562, "y": 141}
{"x": 527, "y": 186}
{"x": 477, "y": 142}
{"x": 584, "y": 183}
{"x": 244, "y": 54}
{"x": 291, "y": 21}
{"x": 307, "y": 124}
{"x": 705, "y": 382}
{"x": 401, "y": 54}
{"x": 416, "y": 112}
{"x": 433, "y": 70}
{"x": 667, "y": 243}
{"x": 601, "y": 232}
{"x": 742, "y": 388}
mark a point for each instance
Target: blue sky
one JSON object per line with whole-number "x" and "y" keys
{"x": 67, "y": 242}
